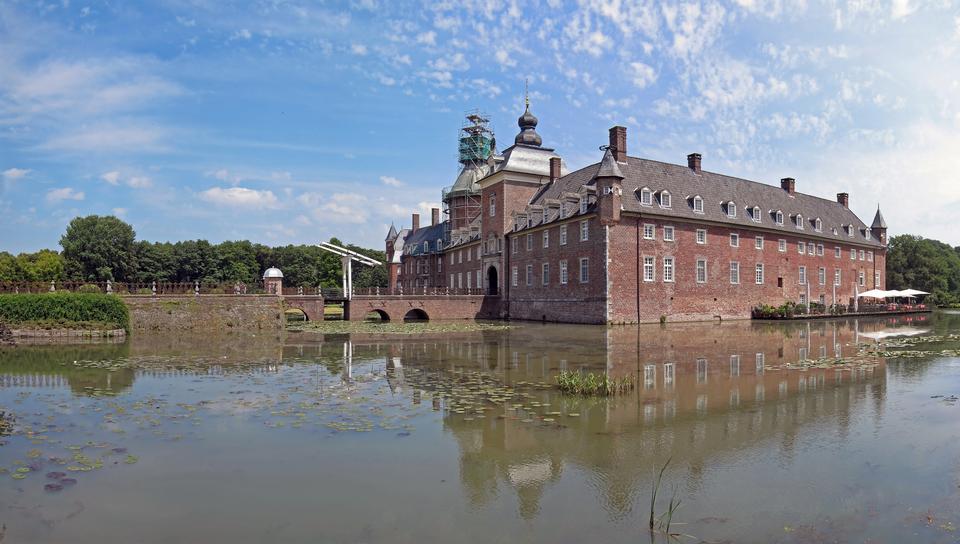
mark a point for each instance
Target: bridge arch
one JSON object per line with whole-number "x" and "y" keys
{"x": 377, "y": 315}
{"x": 416, "y": 314}
{"x": 493, "y": 283}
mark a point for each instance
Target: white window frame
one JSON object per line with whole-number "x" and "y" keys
{"x": 734, "y": 239}
{"x": 801, "y": 248}
{"x": 649, "y": 268}
{"x": 666, "y": 201}
{"x": 646, "y": 197}
{"x": 493, "y": 204}
{"x": 529, "y": 278}
{"x": 811, "y": 249}
{"x": 798, "y": 221}
{"x": 869, "y": 256}
{"x": 701, "y": 236}
{"x": 819, "y": 250}
{"x": 584, "y": 203}
{"x": 514, "y": 276}
{"x": 563, "y": 272}
{"x": 836, "y": 252}
{"x": 546, "y": 238}
{"x": 802, "y": 275}
{"x": 836, "y": 276}
{"x": 698, "y": 204}
{"x": 818, "y": 225}
{"x": 563, "y": 235}
{"x": 701, "y": 270}
{"x": 853, "y": 254}
{"x": 779, "y": 217}
{"x": 758, "y": 274}
{"x": 734, "y": 272}
{"x": 758, "y": 242}
{"x": 649, "y": 231}
{"x": 545, "y": 274}
{"x": 822, "y": 275}
{"x": 755, "y": 214}
{"x": 584, "y": 230}
{"x": 782, "y": 245}
{"x": 584, "y": 269}
{"x": 668, "y": 269}
{"x": 529, "y": 241}
{"x": 863, "y": 255}
{"x": 669, "y": 234}
{"x": 732, "y": 210}
{"x": 862, "y": 279}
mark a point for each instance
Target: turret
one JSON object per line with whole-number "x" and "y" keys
{"x": 609, "y": 181}
{"x": 879, "y": 226}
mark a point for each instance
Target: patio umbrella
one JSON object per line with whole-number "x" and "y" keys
{"x": 875, "y": 293}
{"x": 912, "y": 293}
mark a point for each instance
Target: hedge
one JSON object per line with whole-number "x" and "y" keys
{"x": 64, "y": 308}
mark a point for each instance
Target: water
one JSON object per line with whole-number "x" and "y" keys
{"x": 361, "y": 439}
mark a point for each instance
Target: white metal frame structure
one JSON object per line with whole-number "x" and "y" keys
{"x": 346, "y": 256}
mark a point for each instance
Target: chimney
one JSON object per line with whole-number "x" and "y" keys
{"x": 415, "y": 222}
{"x": 618, "y": 143}
{"x": 434, "y": 216}
{"x": 789, "y": 185}
{"x": 693, "y": 162}
{"x": 844, "y": 199}
{"x": 554, "y": 169}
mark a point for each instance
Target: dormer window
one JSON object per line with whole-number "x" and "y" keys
{"x": 779, "y": 217}
{"x": 850, "y": 231}
{"x": 731, "y": 210}
{"x": 439, "y": 244}
{"x": 563, "y": 210}
{"x": 798, "y": 221}
{"x": 646, "y": 197}
{"x": 817, "y": 225}
{"x": 866, "y": 233}
{"x": 755, "y": 214}
{"x": 697, "y": 204}
{"x": 583, "y": 204}
{"x": 834, "y": 231}
{"x": 426, "y": 246}
{"x": 665, "y": 199}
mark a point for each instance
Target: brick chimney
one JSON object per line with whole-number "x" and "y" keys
{"x": 693, "y": 162}
{"x": 554, "y": 169}
{"x": 789, "y": 185}
{"x": 844, "y": 199}
{"x": 618, "y": 143}
{"x": 434, "y": 216}
{"x": 415, "y": 222}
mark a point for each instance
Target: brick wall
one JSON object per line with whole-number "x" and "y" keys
{"x": 208, "y": 313}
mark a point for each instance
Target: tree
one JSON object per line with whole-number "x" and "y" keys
{"x": 99, "y": 248}
{"x": 8, "y": 267}
{"x": 44, "y": 265}
{"x": 928, "y": 265}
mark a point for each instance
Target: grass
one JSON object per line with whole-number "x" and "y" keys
{"x": 665, "y": 520}
{"x": 391, "y": 327}
{"x": 590, "y": 384}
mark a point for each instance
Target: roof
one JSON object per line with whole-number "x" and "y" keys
{"x": 878, "y": 222}
{"x": 608, "y": 166}
{"x": 717, "y": 190}
{"x": 528, "y": 159}
{"x": 413, "y": 245}
{"x": 467, "y": 179}
{"x": 398, "y": 245}
{"x": 272, "y": 272}
{"x": 392, "y": 233}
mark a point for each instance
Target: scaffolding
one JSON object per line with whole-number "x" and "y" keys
{"x": 476, "y": 139}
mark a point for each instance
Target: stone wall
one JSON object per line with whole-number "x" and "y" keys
{"x": 435, "y": 307}
{"x": 205, "y": 313}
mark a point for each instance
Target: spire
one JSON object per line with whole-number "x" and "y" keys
{"x": 608, "y": 166}
{"x": 392, "y": 234}
{"x": 528, "y": 124}
{"x": 878, "y": 222}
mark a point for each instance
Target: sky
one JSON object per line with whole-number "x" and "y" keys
{"x": 291, "y": 122}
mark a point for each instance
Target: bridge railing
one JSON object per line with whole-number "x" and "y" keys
{"x": 418, "y": 291}
{"x": 155, "y": 288}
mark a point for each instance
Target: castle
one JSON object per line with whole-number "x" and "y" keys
{"x": 628, "y": 240}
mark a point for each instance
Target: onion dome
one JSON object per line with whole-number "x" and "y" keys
{"x": 528, "y": 129}
{"x": 272, "y": 272}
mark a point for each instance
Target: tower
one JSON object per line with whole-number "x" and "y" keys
{"x": 476, "y": 143}
{"x": 609, "y": 188}
{"x": 879, "y": 226}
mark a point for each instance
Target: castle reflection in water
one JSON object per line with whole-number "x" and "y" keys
{"x": 705, "y": 392}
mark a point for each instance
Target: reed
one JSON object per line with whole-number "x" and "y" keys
{"x": 590, "y": 384}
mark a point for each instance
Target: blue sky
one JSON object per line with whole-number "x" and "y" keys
{"x": 290, "y": 122}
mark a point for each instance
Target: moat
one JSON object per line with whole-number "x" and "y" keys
{"x": 829, "y": 431}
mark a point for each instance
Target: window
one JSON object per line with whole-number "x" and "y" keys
{"x": 734, "y": 365}
{"x": 648, "y": 274}
{"x": 563, "y": 235}
{"x": 583, "y": 204}
{"x": 668, "y": 373}
{"x": 817, "y": 225}
{"x": 862, "y": 255}
{"x": 493, "y": 204}
{"x": 563, "y": 272}
{"x": 546, "y": 239}
{"x": 869, "y": 256}
{"x": 755, "y": 214}
{"x": 811, "y": 249}
{"x": 667, "y": 234}
{"x": 439, "y": 264}
{"x": 701, "y": 377}
{"x": 479, "y": 283}
{"x": 697, "y": 204}
{"x": 584, "y": 231}
{"x": 782, "y": 245}
{"x": 836, "y": 252}
{"x": 731, "y": 209}
{"x": 820, "y": 250}
{"x": 451, "y": 280}
{"x": 822, "y": 276}
{"x": 759, "y": 362}
{"x": 563, "y": 210}
{"x": 668, "y": 269}
{"x": 798, "y": 222}
{"x": 452, "y": 257}
{"x": 701, "y": 236}
{"x": 866, "y": 233}
{"x": 853, "y": 254}
{"x": 734, "y": 272}
{"x": 469, "y": 280}
{"x": 513, "y": 276}
{"x": 734, "y": 239}
{"x": 801, "y": 248}
{"x": 470, "y": 253}
{"x": 459, "y": 280}
{"x": 545, "y": 274}
{"x": 584, "y": 269}
{"x": 646, "y": 197}
{"x": 478, "y": 250}
{"x": 513, "y": 244}
{"x": 803, "y": 275}
{"x": 529, "y": 275}
{"x": 861, "y": 279}
{"x": 758, "y": 243}
{"x": 759, "y": 274}
{"x": 779, "y": 217}
{"x": 836, "y": 276}
{"x": 665, "y": 199}
{"x": 876, "y": 280}
{"x": 426, "y": 246}
{"x": 529, "y": 242}
{"x": 850, "y": 231}
{"x": 648, "y": 231}
{"x": 701, "y": 271}
{"x": 803, "y": 298}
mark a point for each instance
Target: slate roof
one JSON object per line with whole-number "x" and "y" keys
{"x": 716, "y": 190}
{"x": 413, "y": 244}
{"x": 878, "y": 222}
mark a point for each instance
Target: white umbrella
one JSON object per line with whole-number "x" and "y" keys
{"x": 874, "y": 293}
{"x": 912, "y": 293}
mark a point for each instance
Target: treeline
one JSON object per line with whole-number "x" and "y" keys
{"x": 928, "y": 265}
{"x": 97, "y": 248}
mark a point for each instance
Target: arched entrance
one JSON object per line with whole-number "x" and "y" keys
{"x": 377, "y": 315}
{"x": 416, "y": 314}
{"x": 296, "y": 314}
{"x": 492, "y": 283}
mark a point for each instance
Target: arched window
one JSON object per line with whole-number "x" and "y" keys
{"x": 731, "y": 209}
{"x": 866, "y": 233}
{"x": 799, "y": 221}
{"x": 698, "y": 204}
{"x": 426, "y": 246}
{"x": 439, "y": 243}
{"x": 779, "y": 217}
{"x": 755, "y": 214}
{"x": 646, "y": 197}
{"x": 665, "y": 199}
{"x": 818, "y": 224}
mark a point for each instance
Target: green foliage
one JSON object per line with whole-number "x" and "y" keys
{"x": 44, "y": 265}
{"x": 918, "y": 263}
{"x": 590, "y": 384}
{"x": 64, "y": 308}
{"x": 89, "y": 288}
{"x": 99, "y": 248}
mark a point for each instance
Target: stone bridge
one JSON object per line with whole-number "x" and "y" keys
{"x": 438, "y": 306}
{"x": 310, "y": 305}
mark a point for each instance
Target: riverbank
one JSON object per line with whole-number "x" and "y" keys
{"x": 391, "y": 328}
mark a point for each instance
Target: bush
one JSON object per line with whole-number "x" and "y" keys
{"x": 89, "y": 288}
{"x": 64, "y": 308}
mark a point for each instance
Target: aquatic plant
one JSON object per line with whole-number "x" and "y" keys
{"x": 665, "y": 520}
{"x": 590, "y": 384}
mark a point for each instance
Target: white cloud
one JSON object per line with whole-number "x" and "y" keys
{"x": 391, "y": 181}
{"x": 109, "y": 138}
{"x": 64, "y": 193}
{"x": 456, "y": 62}
{"x": 901, "y": 8}
{"x": 113, "y": 177}
{"x": 120, "y": 212}
{"x": 240, "y": 197}
{"x": 358, "y": 49}
{"x": 242, "y": 34}
{"x": 642, "y": 74}
{"x": 140, "y": 182}
{"x": 13, "y": 174}
{"x": 427, "y": 38}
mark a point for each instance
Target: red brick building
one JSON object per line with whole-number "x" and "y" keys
{"x": 629, "y": 240}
